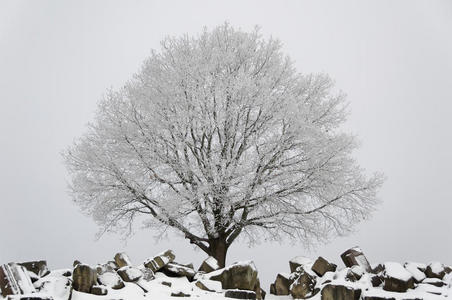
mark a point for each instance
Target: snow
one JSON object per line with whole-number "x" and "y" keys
{"x": 212, "y": 285}
{"x": 212, "y": 262}
{"x": 436, "y": 267}
{"x": 414, "y": 270}
{"x": 301, "y": 260}
{"x": 396, "y": 270}
{"x": 109, "y": 278}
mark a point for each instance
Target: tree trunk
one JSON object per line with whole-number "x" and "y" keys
{"x": 218, "y": 249}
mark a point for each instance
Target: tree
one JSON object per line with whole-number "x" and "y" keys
{"x": 218, "y": 136}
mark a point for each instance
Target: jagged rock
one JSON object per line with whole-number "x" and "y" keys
{"x": 160, "y": 260}
{"x": 83, "y": 278}
{"x": 378, "y": 269}
{"x": 148, "y": 275}
{"x": 340, "y": 292}
{"x": 281, "y": 287}
{"x": 299, "y": 261}
{"x": 166, "y": 283}
{"x": 435, "y": 270}
{"x": 111, "y": 279}
{"x": 304, "y": 286}
{"x": 240, "y": 294}
{"x": 376, "y": 280}
{"x": 122, "y": 260}
{"x": 434, "y": 281}
{"x": 178, "y": 270}
{"x": 37, "y": 267}
{"x": 179, "y": 294}
{"x": 99, "y": 290}
{"x": 33, "y": 276}
{"x": 14, "y": 280}
{"x": 75, "y": 263}
{"x": 397, "y": 278}
{"x": 209, "y": 285}
{"x": 260, "y": 293}
{"x": 321, "y": 266}
{"x": 130, "y": 274}
{"x": 237, "y": 276}
{"x": 448, "y": 269}
{"x": 67, "y": 273}
{"x": 355, "y": 257}
{"x": 417, "y": 274}
{"x": 354, "y": 273}
{"x": 210, "y": 264}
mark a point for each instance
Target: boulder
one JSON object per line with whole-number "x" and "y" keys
{"x": 148, "y": 275}
{"x": 355, "y": 257}
{"x": 304, "y": 286}
{"x": 130, "y": 274}
{"x": 75, "y": 263}
{"x": 321, "y": 266}
{"x": 435, "y": 270}
{"x": 83, "y": 278}
{"x": 122, "y": 260}
{"x": 281, "y": 287}
{"x": 178, "y": 270}
{"x": 179, "y": 294}
{"x": 378, "y": 269}
{"x": 397, "y": 278}
{"x": 434, "y": 281}
{"x": 15, "y": 280}
{"x": 240, "y": 294}
{"x": 260, "y": 293}
{"x": 111, "y": 280}
{"x": 299, "y": 261}
{"x": 99, "y": 290}
{"x": 37, "y": 267}
{"x": 242, "y": 275}
{"x": 354, "y": 273}
{"x": 376, "y": 280}
{"x": 209, "y": 285}
{"x": 210, "y": 264}
{"x": 340, "y": 292}
{"x": 160, "y": 260}
{"x": 417, "y": 274}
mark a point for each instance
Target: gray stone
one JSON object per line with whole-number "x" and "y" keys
{"x": 37, "y": 267}
{"x": 83, "y": 278}
{"x": 321, "y": 266}
{"x": 130, "y": 274}
{"x": 210, "y": 264}
{"x": 15, "y": 280}
{"x": 355, "y": 257}
{"x": 240, "y": 294}
{"x": 179, "y": 294}
{"x": 304, "y": 286}
{"x": 111, "y": 279}
{"x": 237, "y": 276}
{"x": 281, "y": 286}
{"x": 99, "y": 290}
{"x": 159, "y": 261}
{"x": 122, "y": 260}
{"x": 178, "y": 270}
{"x": 340, "y": 292}
{"x": 435, "y": 270}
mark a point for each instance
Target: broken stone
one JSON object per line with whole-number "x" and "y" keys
{"x": 237, "y": 276}
{"x": 180, "y": 294}
{"x": 321, "y": 266}
{"x": 397, "y": 278}
{"x": 210, "y": 264}
{"x": 111, "y": 279}
{"x": 260, "y": 293}
{"x": 304, "y": 286}
{"x": 122, "y": 260}
{"x": 378, "y": 269}
{"x": 435, "y": 270}
{"x": 83, "y": 278}
{"x": 340, "y": 292}
{"x": 376, "y": 280}
{"x": 99, "y": 290}
{"x": 37, "y": 267}
{"x": 148, "y": 275}
{"x": 20, "y": 297}
{"x": 75, "y": 263}
{"x": 166, "y": 283}
{"x": 281, "y": 287}
{"x": 14, "y": 280}
{"x": 435, "y": 282}
{"x": 178, "y": 270}
{"x": 417, "y": 274}
{"x": 160, "y": 260}
{"x": 130, "y": 274}
{"x": 354, "y": 273}
{"x": 209, "y": 285}
{"x": 299, "y": 261}
{"x": 355, "y": 257}
{"x": 240, "y": 294}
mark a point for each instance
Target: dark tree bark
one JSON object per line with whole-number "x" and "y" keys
{"x": 218, "y": 249}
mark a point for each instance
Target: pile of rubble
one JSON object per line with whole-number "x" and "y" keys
{"x": 33, "y": 280}
{"x": 320, "y": 279}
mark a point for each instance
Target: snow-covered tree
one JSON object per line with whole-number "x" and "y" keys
{"x": 219, "y": 136}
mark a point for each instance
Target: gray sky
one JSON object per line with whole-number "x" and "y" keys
{"x": 392, "y": 58}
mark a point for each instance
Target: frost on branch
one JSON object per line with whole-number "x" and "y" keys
{"x": 219, "y": 135}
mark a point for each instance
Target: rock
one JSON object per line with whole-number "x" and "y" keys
{"x": 166, "y": 283}
{"x": 355, "y": 257}
{"x": 20, "y": 297}
{"x": 148, "y": 275}
{"x": 260, "y": 293}
{"x": 378, "y": 269}
{"x": 37, "y": 267}
{"x": 434, "y": 281}
{"x": 417, "y": 274}
{"x": 241, "y": 275}
{"x": 210, "y": 264}
{"x": 83, "y": 278}
{"x": 178, "y": 270}
{"x": 14, "y": 280}
{"x": 111, "y": 280}
{"x": 304, "y": 286}
{"x": 321, "y": 266}
{"x": 435, "y": 270}
{"x": 99, "y": 290}
{"x": 281, "y": 287}
{"x": 354, "y": 273}
{"x": 129, "y": 274}
{"x": 67, "y": 273}
{"x": 75, "y": 263}
{"x": 240, "y": 294}
{"x": 160, "y": 260}
{"x": 376, "y": 280}
{"x": 209, "y": 285}
{"x": 340, "y": 292}
{"x": 122, "y": 260}
{"x": 448, "y": 269}
{"x": 179, "y": 294}
{"x": 397, "y": 278}
{"x": 299, "y": 261}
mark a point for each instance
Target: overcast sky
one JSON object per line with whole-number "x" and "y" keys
{"x": 392, "y": 58}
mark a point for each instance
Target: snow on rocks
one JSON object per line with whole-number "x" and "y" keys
{"x": 122, "y": 260}
{"x": 210, "y": 264}
{"x": 111, "y": 280}
{"x": 298, "y": 261}
{"x": 159, "y": 261}
{"x": 435, "y": 270}
{"x": 15, "y": 280}
{"x": 397, "y": 278}
{"x": 417, "y": 274}
{"x": 321, "y": 266}
{"x": 209, "y": 285}
{"x": 355, "y": 257}
{"x": 83, "y": 278}
{"x": 130, "y": 274}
